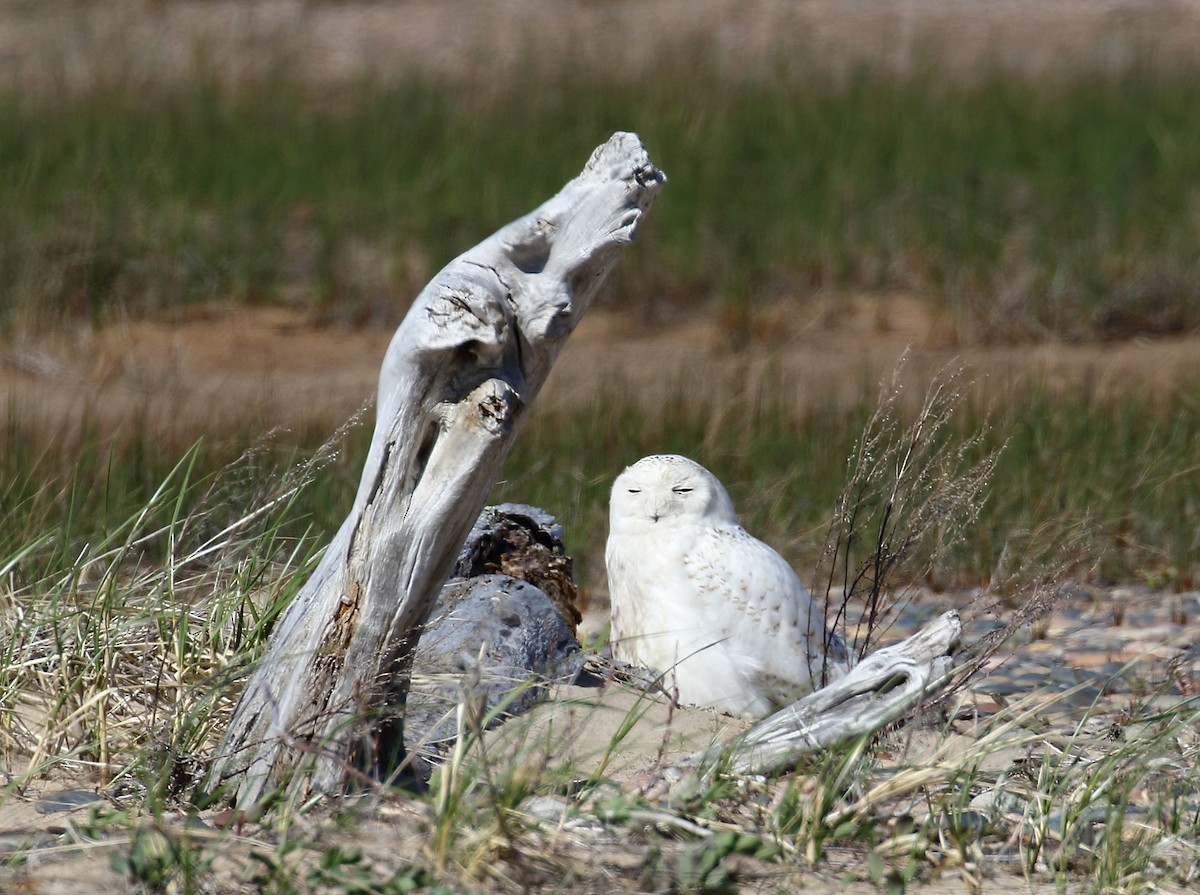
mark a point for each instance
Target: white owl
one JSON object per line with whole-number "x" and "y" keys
{"x": 697, "y": 598}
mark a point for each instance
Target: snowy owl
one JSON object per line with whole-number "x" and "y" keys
{"x": 697, "y": 598}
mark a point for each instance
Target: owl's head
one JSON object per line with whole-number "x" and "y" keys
{"x": 667, "y": 489}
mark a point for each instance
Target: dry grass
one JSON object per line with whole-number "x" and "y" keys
{"x": 120, "y": 667}
{"x": 913, "y": 490}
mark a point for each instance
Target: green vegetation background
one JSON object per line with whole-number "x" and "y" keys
{"x": 1069, "y": 210}
{"x": 1023, "y": 211}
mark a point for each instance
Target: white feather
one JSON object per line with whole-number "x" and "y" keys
{"x": 696, "y": 597}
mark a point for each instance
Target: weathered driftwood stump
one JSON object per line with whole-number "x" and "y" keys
{"x": 326, "y": 701}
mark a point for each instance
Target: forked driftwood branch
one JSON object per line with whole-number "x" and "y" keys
{"x": 326, "y": 701}
{"x": 878, "y": 690}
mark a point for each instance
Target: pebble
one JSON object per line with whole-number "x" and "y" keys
{"x": 997, "y": 802}
{"x": 67, "y": 800}
{"x": 1102, "y": 648}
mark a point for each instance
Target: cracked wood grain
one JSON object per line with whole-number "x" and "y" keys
{"x": 325, "y": 703}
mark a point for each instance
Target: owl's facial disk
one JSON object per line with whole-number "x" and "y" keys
{"x": 666, "y": 490}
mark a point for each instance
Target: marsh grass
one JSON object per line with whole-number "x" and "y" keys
{"x": 1026, "y": 211}
{"x": 911, "y": 494}
{"x": 1118, "y": 479}
{"x": 127, "y": 630}
{"x": 117, "y": 645}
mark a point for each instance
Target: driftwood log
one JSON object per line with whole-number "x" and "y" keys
{"x": 878, "y": 690}
{"x": 325, "y": 703}
{"x": 503, "y": 629}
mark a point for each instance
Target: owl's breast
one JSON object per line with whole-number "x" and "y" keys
{"x": 653, "y": 602}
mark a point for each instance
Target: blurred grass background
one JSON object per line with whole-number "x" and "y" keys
{"x": 1018, "y": 210}
{"x": 1119, "y": 478}
{"x": 1026, "y": 211}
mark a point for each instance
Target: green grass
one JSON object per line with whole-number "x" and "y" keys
{"x": 1117, "y": 477}
{"x": 1027, "y": 211}
{"x": 75, "y": 494}
{"x": 138, "y": 599}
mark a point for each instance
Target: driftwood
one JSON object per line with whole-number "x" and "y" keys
{"x": 878, "y": 690}
{"x": 325, "y": 703}
{"x": 502, "y": 630}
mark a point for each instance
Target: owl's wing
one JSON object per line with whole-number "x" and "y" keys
{"x": 761, "y": 601}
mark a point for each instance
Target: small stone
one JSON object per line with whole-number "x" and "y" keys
{"x": 1084, "y": 697}
{"x": 67, "y": 800}
{"x": 966, "y": 825}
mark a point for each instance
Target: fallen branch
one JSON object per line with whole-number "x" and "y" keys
{"x": 878, "y": 690}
